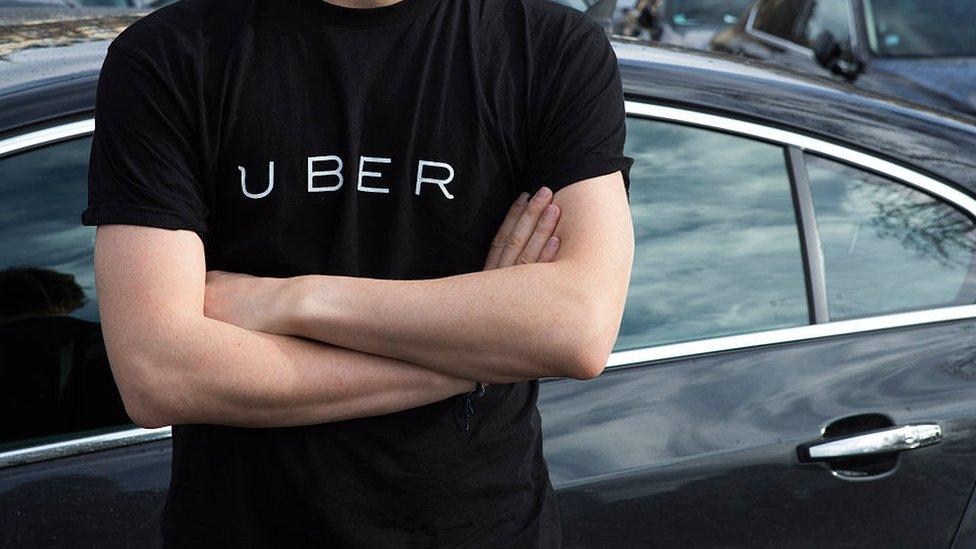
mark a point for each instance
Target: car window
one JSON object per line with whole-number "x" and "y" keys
{"x": 826, "y": 15}
{"x": 54, "y": 374}
{"x": 717, "y": 245}
{"x": 921, "y": 28}
{"x": 888, "y": 247}
{"x": 778, "y": 17}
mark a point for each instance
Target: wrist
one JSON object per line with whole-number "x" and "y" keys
{"x": 293, "y": 304}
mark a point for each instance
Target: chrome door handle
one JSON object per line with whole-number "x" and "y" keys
{"x": 881, "y": 441}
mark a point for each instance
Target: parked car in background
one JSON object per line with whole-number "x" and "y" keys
{"x": 922, "y": 51}
{"x": 796, "y": 364}
{"x": 688, "y": 23}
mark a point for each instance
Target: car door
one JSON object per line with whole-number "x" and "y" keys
{"x": 58, "y": 401}
{"x": 787, "y": 292}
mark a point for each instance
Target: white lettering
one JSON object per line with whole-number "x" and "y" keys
{"x": 442, "y": 183}
{"x": 362, "y": 162}
{"x": 312, "y": 174}
{"x": 266, "y": 191}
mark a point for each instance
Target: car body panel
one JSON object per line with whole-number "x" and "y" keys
{"x": 701, "y": 451}
{"x": 110, "y": 498}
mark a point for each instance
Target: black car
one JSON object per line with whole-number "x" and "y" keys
{"x": 921, "y": 51}
{"x": 796, "y": 365}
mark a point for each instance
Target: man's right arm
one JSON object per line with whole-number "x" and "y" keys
{"x": 174, "y": 365}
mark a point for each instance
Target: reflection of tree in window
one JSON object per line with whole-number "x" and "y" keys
{"x": 29, "y": 291}
{"x": 889, "y": 247}
{"x": 926, "y": 226}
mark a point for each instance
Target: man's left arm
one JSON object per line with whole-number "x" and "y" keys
{"x": 522, "y": 322}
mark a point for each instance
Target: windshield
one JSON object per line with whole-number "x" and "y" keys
{"x": 689, "y": 13}
{"x": 921, "y": 28}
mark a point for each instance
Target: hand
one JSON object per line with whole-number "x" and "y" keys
{"x": 526, "y": 234}
{"x": 243, "y": 300}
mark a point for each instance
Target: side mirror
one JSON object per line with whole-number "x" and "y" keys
{"x": 826, "y": 50}
{"x": 830, "y": 55}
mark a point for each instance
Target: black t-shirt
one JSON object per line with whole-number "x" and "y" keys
{"x": 300, "y": 137}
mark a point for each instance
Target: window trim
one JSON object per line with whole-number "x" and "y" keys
{"x": 796, "y": 47}
{"x": 770, "y": 39}
{"x": 633, "y": 357}
{"x": 814, "y": 266}
{"x": 46, "y": 136}
{"x": 83, "y": 445}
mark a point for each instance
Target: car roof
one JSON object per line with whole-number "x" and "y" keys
{"x": 50, "y": 59}
{"x": 938, "y": 143}
{"x": 44, "y": 45}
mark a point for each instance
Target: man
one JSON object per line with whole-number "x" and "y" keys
{"x": 343, "y": 169}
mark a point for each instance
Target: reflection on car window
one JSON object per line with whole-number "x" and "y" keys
{"x": 888, "y": 247}
{"x": 826, "y": 15}
{"x": 54, "y": 374}
{"x": 718, "y": 250}
{"x": 778, "y": 17}
{"x": 688, "y": 13}
{"x": 581, "y": 5}
{"x": 921, "y": 28}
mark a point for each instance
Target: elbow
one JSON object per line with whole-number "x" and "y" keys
{"x": 587, "y": 345}
{"x": 147, "y": 417}
{"x": 143, "y": 390}
{"x": 586, "y": 365}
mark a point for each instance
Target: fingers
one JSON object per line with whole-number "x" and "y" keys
{"x": 549, "y": 250}
{"x": 498, "y": 243}
{"x": 540, "y": 237}
{"x": 524, "y": 228}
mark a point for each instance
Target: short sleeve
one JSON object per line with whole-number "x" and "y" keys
{"x": 580, "y": 125}
{"x": 145, "y": 166}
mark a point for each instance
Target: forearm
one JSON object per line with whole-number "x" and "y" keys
{"x": 523, "y": 322}
{"x": 198, "y": 370}
{"x": 527, "y": 320}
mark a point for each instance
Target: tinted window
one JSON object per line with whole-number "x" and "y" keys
{"x": 888, "y": 247}
{"x": 718, "y": 251}
{"x": 923, "y": 28}
{"x": 778, "y": 17}
{"x": 54, "y": 375}
{"x": 826, "y": 15}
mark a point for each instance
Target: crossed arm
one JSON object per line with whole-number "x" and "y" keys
{"x": 533, "y": 320}
{"x": 175, "y": 364}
